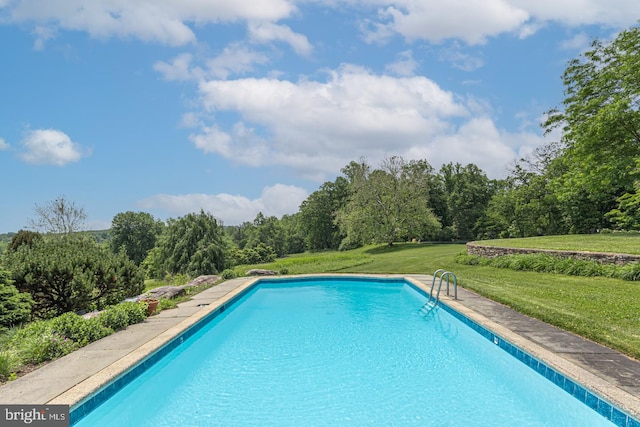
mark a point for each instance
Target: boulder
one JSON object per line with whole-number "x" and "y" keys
{"x": 166, "y": 292}
{"x": 202, "y": 280}
{"x": 260, "y": 272}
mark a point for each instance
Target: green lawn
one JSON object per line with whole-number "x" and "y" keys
{"x": 602, "y": 309}
{"x": 625, "y": 243}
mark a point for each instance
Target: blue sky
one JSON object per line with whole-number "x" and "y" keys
{"x": 170, "y": 106}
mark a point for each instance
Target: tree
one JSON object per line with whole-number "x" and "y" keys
{"x": 23, "y": 237}
{"x": 388, "y": 204}
{"x": 267, "y": 230}
{"x": 600, "y": 121}
{"x": 293, "y": 234}
{"x": 194, "y": 244}
{"x": 73, "y": 273}
{"x": 58, "y": 216}
{"x": 136, "y": 233}
{"x": 467, "y": 192}
{"x": 318, "y": 215}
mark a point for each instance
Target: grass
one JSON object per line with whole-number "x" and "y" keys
{"x": 605, "y": 310}
{"x": 625, "y": 243}
{"x": 602, "y": 309}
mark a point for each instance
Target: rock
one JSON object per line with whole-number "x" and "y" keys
{"x": 259, "y": 272}
{"x": 166, "y": 292}
{"x": 202, "y": 280}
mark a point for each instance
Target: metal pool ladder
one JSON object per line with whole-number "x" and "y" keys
{"x": 433, "y": 300}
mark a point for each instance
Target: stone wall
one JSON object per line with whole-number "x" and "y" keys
{"x": 603, "y": 257}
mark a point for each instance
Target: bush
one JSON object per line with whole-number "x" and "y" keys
{"x": 228, "y": 274}
{"x": 72, "y": 326}
{"x": 96, "y": 329}
{"x": 15, "y": 306}
{"x": 543, "y": 263}
{"x": 37, "y": 343}
{"x": 166, "y": 303}
{"x": 120, "y": 316}
{"x": 630, "y": 272}
{"x": 114, "y": 318}
{"x": 72, "y": 273}
{"x": 9, "y": 364}
{"x": 466, "y": 259}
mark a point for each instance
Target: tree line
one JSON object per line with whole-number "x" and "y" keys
{"x": 585, "y": 182}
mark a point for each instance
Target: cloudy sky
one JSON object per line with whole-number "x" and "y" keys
{"x": 244, "y": 106}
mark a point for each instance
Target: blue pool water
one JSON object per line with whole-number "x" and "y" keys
{"x": 339, "y": 352}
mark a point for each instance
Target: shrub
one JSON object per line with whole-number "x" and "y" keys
{"x": 72, "y": 273}
{"x": 96, "y": 329}
{"x": 466, "y": 259}
{"x": 114, "y": 318}
{"x": 166, "y": 303}
{"x": 284, "y": 271}
{"x": 9, "y": 364}
{"x": 630, "y": 271}
{"x": 15, "y": 306}
{"x": 228, "y": 274}
{"x": 72, "y": 326}
{"x": 135, "y": 312}
{"x": 120, "y": 316}
{"x": 37, "y": 342}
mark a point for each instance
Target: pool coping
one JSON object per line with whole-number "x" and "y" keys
{"x": 88, "y": 387}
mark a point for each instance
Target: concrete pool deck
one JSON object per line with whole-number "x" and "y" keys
{"x": 70, "y": 379}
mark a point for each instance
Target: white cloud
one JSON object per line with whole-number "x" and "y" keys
{"x": 173, "y": 22}
{"x": 236, "y": 58}
{"x": 50, "y": 147}
{"x": 42, "y": 34}
{"x": 405, "y": 65}
{"x": 470, "y": 20}
{"x": 579, "y": 42}
{"x": 276, "y": 200}
{"x": 266, "y": 32}
{"x": 617, "y": 13}
{"x": 473, "y": 21}
{"x": 478, "y": 141}
{"x": 459, "y": 59}
{"x": 161, "y": 21}
{"x": 317, "y": 127}
{"x": 3, "y": 145}
{"x": 179, "y": 68}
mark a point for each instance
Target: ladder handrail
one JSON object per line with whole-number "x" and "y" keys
{"x": 443, "y": 273}
{"x": 455, "y": 284}
{"x": 433, "y": 282}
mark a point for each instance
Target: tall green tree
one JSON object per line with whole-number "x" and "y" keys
{"x": 388, "y": 204}
{"x": 293, "y": 233}
{"x": 136, "y": 233}
{"x": 600, "y": 123}
{"x": 194, "y": 244}
{"x": 318, "y": 215}
{"x": 467, "y": 192}
{"x": 268, "y": 231}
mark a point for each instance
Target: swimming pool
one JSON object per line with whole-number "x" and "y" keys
{"x": 338, "y": 352}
